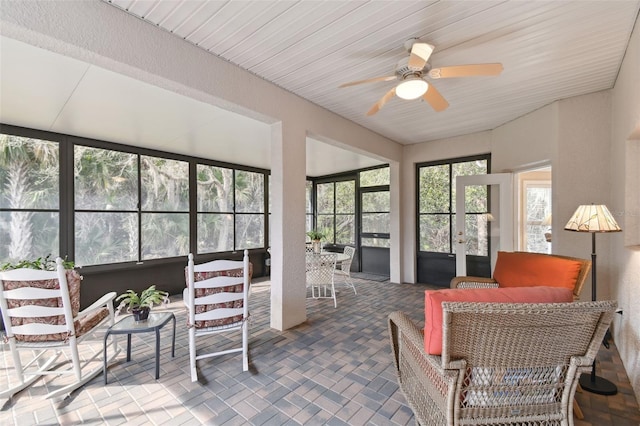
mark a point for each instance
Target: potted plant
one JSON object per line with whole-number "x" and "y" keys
{"x": 140, "y": 304}
{"x": 316, "y": 236}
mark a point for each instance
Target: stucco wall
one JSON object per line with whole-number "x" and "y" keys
{"x": 625, "y": 161}
{"x": 526, "y": 141}
{"x": 581, "y": 175}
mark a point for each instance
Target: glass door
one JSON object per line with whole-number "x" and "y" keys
{"x": 477, "y": 227}
{"x": 437, "y": 219}
{"x": 374, "y": 235}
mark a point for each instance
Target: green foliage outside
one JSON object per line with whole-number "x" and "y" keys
{"x": 107, "y": 220}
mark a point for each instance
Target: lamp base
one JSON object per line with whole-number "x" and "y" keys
{"x": 599, "y": 385}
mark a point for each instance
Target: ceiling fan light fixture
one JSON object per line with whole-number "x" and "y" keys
{"x": 412, "y": 88}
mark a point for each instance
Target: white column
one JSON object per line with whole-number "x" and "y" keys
{"x": 288, "y": 175}
{"x": 395, "y": 252}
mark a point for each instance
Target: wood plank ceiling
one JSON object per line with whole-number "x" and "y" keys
{"x": 550, "y": 50}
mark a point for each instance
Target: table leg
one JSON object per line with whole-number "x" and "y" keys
{"x": 173, "y": 343}
{"x": 128, "y": 347}
{"x": 104, "y": 359}
{"x": 157, "y": 353}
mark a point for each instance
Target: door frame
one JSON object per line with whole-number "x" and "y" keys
{"x": 381, "y": 255}
{"x": 504, "y": 181}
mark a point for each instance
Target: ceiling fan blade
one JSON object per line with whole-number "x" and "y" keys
{"x": 420, "y": 53}
{"x": 466, "y": 70}
{"x": 383, "y": 100}
{"x": 369, "y": 80}
{"x": 435, "y": 99}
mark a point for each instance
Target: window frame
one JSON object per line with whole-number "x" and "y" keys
{"x": 67, "y": 209}
{"x": 334, "y": 179}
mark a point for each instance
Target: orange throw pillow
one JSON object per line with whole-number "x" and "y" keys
{"x": 433, "y": 305}
{"x": 532, "y": 269}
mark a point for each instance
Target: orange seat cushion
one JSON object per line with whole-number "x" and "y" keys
{"x": 532, "y": 269}
{"x": 433, "y": 305}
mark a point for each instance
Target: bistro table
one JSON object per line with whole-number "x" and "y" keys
{"x": 128, "y": 326}
{"x": 340, "y": 257}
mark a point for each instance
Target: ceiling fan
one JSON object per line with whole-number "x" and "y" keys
{"x": 411, "y": 73}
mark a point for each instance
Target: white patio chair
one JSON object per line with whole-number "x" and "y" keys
{"x": 40, "y": 310}
{"x": 217, "y": 301}
{"x": 320, "y": 270}
{"x": 344, "y": 272}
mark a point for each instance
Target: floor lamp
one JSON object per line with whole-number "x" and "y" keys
{"x": 594, "y": 218}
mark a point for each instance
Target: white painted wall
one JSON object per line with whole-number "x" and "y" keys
{"x": 526, "y": 141}
{"x": 581, "y": 175}
{"x": 625, "y": 202}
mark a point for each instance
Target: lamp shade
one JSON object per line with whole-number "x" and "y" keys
{"x": 592, "y": 218}
{"x": 412, "y": 88}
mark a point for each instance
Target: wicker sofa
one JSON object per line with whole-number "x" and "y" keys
{"x": 523, "y": 269}
{"x": 500, "y": 363}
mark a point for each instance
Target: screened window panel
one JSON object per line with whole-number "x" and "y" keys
{"x": 434, "y": 187}
{"x": 345, "y": 229}
{"x": 28, "y": 235}
{"x": 376, "y": 201}
{"x": 325, "y": 224}
{"x": 308, "y": 224}
{"x": 29, "y": 173}
{"x": 215, "y": 189}
{"x": 375, "y": 177}
{"x": 249, "y": 231}
{"x": 434, "y": 233}
{"x": 270, "y": 232}
{"x": 308, "y": 197}
{"x": 105, "y": 179}
{"x": 165, "y": 184}
{"x": 106, "y": 237}
{"x": 29, "y": 179}
{"x": 325, "y": 194}
{"x": 375, "y": 242}
{"x": 165, "y": 235}
{"x": 345, "y": 196}
{"x": 249, "y": 192}
{"x": 270, "y": 197}
{"x": 215, "y": 233}
{"x": 376, "y": 223}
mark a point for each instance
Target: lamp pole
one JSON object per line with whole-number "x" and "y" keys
{"x": 592, "y": 382}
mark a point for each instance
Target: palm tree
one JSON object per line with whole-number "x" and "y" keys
{"x": 29, "y": 179}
